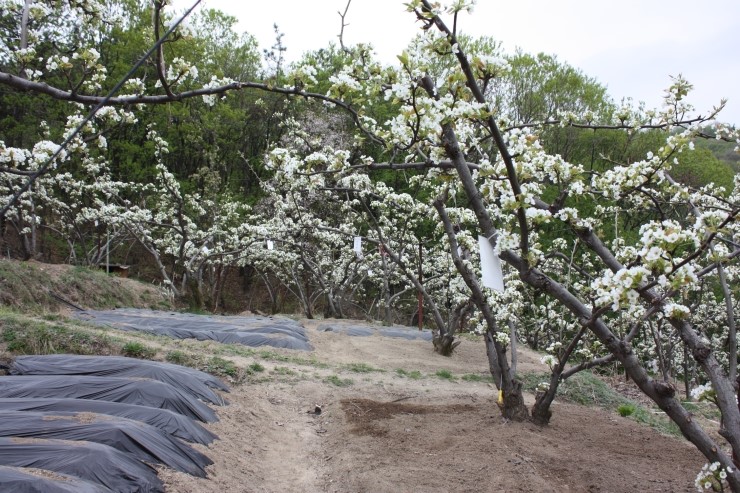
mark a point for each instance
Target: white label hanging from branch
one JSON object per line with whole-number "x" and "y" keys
{"x": 270, "y": 245}
{"x": 490, "y": 266}
{"x": 358, "y": 246}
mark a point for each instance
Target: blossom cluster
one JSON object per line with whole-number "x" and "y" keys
{"x": 712, "y": 477}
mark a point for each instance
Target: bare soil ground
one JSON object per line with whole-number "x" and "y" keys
{"x": 380, "y": 430}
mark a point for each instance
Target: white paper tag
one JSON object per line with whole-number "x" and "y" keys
{"x": 270, "y": 245}
{"x": 358, "y": 246}
{"x": 490, "y": 266}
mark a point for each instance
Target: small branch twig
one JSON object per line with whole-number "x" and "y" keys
{"x": 341, "y": 30}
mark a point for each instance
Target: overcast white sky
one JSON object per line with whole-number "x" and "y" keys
{"x": 630, "y": 46}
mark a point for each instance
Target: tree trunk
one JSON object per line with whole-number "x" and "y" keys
{"x": 512, "y": 405}
{"x": 444, "y": 343}
{"x": 388, "y": 318}
{"x": 512, "y": 337}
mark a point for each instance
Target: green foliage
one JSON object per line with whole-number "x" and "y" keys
{"x": 255, "y": 368}
{"x": 25, "y": 335}
{"x": 473, "y": 377}
{"x": 538, "y": 87}
{"x": 275, "y": 356}
{"x": 220, "y": 366}
{"x": 705, "y": 409}
{"x": 699, "y": 167}
{"x": 135, "y": 349}
{"x": 625, "y": 410}
{"x": 587, "y": 389}
{"x": 283, "y": 370}
{"x": 223, "y": 51}
{"x": 179, "y": 358}
{"x": 362, "y": 368}
{"x": 722, "y": 150}
{"x": 338, "y": 381}
{"x": 414, "y": 374}
{"x": 444, "y": 374}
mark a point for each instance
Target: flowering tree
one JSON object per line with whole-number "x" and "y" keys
{"x": 634, "y": 282}
{"x": 620, "y": 287}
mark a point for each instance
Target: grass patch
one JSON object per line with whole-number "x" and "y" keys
{"x": 220, "y": 366}
{"x": 414, "y": 375}
{"x": 658, "y": 421}
{"x": 444, "y": 375}
{"x": 587, "y": 389}
{"x": 283, "y": 370}
{"x": 362, "y": 368}
{"x": 25, "y": 335}
{"x": 178, "y": 357}
{"x": 28, "y": 286}
{"x": 282, "y": 358}
{"x": 338, "y": 381}
{"x": 706, "y": 410}
{"x": 473, "y": 377}
{"x": 625, "y": 410}
{"x": 255, "y": 368}
{"x": 469, "y": 336}
{"x": 273, "y": 356}
{"x": 136, "y": 349}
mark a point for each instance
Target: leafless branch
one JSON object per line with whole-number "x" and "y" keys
{"x": 341, "y": 30}
{"x": 587, "y": 365}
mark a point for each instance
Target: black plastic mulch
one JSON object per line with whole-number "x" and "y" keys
{"x": 142, "y": 441}
{"x": 195, "y": 382}
{"x": 143, "y": 392}
{"x": 253, "y": 331}
{"x": 366, "y": 331}
{"x": 93, "y": 462}
{"x": 20, "y": 480}
{"x": 170, "y": 422}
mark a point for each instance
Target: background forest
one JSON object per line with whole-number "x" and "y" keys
{"x": 338, "y": 186}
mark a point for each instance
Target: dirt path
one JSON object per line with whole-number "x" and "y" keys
{"x": 388, "y": 424}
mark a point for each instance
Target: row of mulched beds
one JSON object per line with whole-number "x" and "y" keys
{"x": 100, "y": 424}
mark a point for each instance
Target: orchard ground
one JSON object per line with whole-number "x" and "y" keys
{"x": 395, "y": 417}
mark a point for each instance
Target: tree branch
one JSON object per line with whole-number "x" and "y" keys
{"x": 341, "y": 30}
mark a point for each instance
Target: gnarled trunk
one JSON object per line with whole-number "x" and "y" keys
{"x": 444, "y": 343}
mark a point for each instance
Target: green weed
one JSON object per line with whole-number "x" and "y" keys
{"x": 587, "y": 389}
{"x": 362, "y": 368}
{"x": 472, "y": 377}
{"x": 255, "y": 368}
{"x": 339, "y": 382}
{"x": 177, "y": 357}
{"x": 414, "y": 375}
{"x": 445, "y": 374}
{"x": 625, "y": 410}
{"x": 136, "y": 349}
{"x": 25, "y": 335}
{"x": 283, "y": 370}
{"x": 220, "y": 366}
